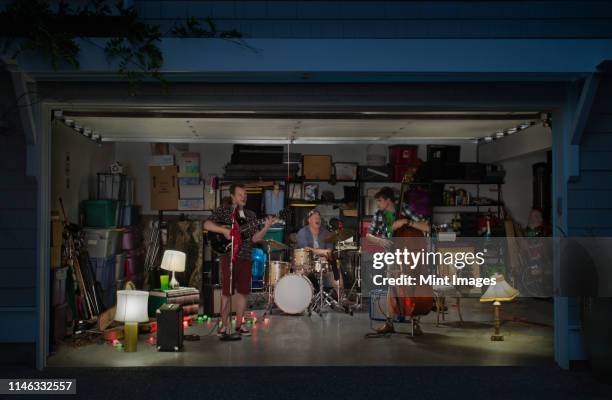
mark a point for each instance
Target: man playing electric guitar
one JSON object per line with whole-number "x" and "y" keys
{"x": 221, "y": 222}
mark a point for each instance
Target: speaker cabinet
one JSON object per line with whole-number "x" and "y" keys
{"x": 170, "y": 327}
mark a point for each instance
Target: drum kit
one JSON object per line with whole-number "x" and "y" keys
{"x": 290, "y": 284}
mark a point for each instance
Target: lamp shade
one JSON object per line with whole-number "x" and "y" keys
{"x": 173, "y": 261}
{"x": 132, "y": 306}
{"x": 501, "y": 291}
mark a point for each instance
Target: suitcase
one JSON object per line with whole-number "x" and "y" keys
{"x": 170, "y": 327}
{"x": 403, "y": 155}
{"x": 443, "y": 154}
{"x": 252, "y": 154}
{"x": 474, "y": 171}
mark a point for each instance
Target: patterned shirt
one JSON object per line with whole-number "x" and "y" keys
{"x": 380, "y": 228}
{"x": 223, "y": 216}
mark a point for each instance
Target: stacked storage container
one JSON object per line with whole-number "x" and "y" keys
{"x": 191, "y": 186}
{"x": 103, "y": 245}
{"x": 133, "y": 253}
{"x": 104, "y": 236}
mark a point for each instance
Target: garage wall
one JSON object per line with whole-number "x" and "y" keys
{"x": 74, "y": 164}
{"x": 135, "y": 157}
{"x": 518, "y": 190}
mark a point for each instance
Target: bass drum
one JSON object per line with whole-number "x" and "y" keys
{"x": 293, "y": 294}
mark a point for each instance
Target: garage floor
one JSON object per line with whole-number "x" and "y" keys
{"x": 338, "y": 339}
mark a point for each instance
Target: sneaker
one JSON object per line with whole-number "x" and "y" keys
{"x": 221, "y": 331}
{"x": 243, "y": 331}
{"x": 386, "y": 328}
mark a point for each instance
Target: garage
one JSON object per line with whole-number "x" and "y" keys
{"x": 138, "y": 183}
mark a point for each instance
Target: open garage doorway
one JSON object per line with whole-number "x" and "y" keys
{"x": 489, "y": 174}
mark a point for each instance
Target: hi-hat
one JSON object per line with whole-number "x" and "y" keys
{"x": 335, "y": 237}
{"x": 273, "y": 244}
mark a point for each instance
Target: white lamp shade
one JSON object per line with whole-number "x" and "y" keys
{"x": 501, "y": 291}
{"x": 173, "y": 261}
{"x": 132, "y": 306}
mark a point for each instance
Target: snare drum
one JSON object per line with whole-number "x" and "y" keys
{"x": 278, "y": 269}
{"x": 302, "y": 257}
{"x": 293, "y": 294}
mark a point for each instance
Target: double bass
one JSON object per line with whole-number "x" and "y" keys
{"x": 414, "y": 300}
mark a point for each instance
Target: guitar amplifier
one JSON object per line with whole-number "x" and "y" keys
{"x": 211, "y": 300}
{"x": 378, "y": 306}
{"x": 170, "y": 327}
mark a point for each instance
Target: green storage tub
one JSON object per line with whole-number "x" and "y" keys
{"x": 100, "y": 213}
{"x": 277, "y": 234}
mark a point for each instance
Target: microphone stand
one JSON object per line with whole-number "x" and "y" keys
{"x": 232, "y": 335}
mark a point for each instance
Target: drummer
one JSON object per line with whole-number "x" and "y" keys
{"x": 311, "y": 237}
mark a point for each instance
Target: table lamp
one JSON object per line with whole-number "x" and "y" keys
{"x": 131, "y": 309}
{"x": 498, "y": 293}
{"x": 173, "y": 261}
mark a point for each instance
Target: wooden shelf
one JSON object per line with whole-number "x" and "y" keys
{"x": 179, "y": 212}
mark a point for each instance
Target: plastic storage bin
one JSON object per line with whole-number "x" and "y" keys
{"x": 109, "y": 295}
{"x": 59, "y": 286}
{"x": 277, "y": 234}
{"x": 104, "y": 269}
{"x": 100, "y": 213}
{"x": 133, "y": 264}
{"x": 131, "y": 215}
{"x": 131, "y": 238}
{"x": 102, "y": 243}
{"x": 120, "y": 266}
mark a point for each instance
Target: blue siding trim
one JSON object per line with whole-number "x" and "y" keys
{"x": 18, "y": 238}
{"x": 589, "y": 208}
{"x": 587, "y": 97}
{"x": 392, "y": 19}
{"x": 540, "y": 59}
{"x": 590, "y": 199}
{"x": 19, "y": 325}
{"x": 18, "y": 296}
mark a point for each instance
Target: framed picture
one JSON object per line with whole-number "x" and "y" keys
{"x": 311, "y": 192}
{"x": 295, "y": 191}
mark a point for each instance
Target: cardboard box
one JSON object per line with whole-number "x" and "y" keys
{"x": 184, "y": 175}
{"x": 317, "y": 167}
{"x": 189, "y": 159}
{"x": 189, "y": 163}
{"x": 191, "y": 204}
{"x": 192, "y": 180}
{"x": 57, "y": 229}
{"x": 162, "y": 160}
{"x": 187, "y": 192}
{"x": 56, "y": 257}
{"x": 164, "y": 188}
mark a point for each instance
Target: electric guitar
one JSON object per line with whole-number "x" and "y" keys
{"x": 221, "y": 245}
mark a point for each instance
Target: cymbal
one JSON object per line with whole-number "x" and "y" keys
{"x": 273, "y": 244}
{"x": 335, "y": 237}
